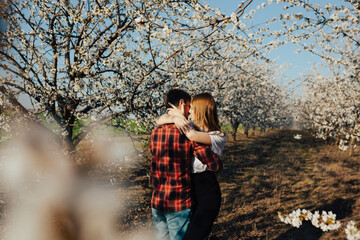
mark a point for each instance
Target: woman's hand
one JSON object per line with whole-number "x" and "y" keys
{"x": 174, "y": 111}
{"x": 179, "y": 119}
{"x": 181, "y": 123}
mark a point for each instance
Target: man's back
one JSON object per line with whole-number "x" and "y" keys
{"x": 172, "y": 154}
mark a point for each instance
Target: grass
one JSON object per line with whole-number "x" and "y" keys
{"x": 131, "y": 125}
{"x": 228, "y": 128}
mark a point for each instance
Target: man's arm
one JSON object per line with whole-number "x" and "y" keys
{"x": 207, "y": 157}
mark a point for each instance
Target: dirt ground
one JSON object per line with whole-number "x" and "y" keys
{"x": 275, "y": 172}
{"x": 263, "y": 175}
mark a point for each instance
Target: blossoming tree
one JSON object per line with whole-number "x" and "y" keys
{"x": 244, "y": 85}
{"x": 331, "y": 104}
{"x": 100, "y": 61}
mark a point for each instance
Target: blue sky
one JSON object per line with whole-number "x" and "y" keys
{"x": 297, "y": 63}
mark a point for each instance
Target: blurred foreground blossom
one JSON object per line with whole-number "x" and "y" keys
{"x": 48, "y": 198}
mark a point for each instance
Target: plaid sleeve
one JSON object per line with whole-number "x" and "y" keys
{"x": 207, "y": 157}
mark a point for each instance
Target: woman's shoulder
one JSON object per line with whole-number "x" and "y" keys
{"x": 218, "y": 135}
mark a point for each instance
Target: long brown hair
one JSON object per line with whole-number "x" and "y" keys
{"x": 204, "y": 112}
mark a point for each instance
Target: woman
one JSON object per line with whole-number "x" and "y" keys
{"x": 205, "y": 129}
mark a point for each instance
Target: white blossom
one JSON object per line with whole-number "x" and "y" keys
{"x": 352, "y": 232}
{"x": 326, "y": 221}
{"x": 297, "y": 136}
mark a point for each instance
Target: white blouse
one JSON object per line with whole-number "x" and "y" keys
{"x": 218, "y": 140}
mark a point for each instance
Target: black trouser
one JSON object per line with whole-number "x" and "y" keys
{"x": 207, "y": 198}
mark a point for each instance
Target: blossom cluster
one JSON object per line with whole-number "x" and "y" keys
{"x": 330, "y": 103}
{"x": 99, "y": 62}
{"x": 296, "y": 217}
{"x": 245, "y": 88}
{"x": 330, "y": 108}
{"x": 85, "y": 64}
{"x": 352, "y": 231}
{"x": 326, "y": 221}
{"x": 297, "y": 136}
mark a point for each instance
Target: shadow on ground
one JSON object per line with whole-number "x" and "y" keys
{"x": 273, "y": 173}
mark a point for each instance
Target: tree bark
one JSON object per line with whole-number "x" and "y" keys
{"x": 253, "y": 131}
{"x": 351, "y": 146}
{"x": 246, "y": 132}
{"x": 235, "y": 127}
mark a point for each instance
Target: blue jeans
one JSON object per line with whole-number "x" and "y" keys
{"x": 170, "y": 226}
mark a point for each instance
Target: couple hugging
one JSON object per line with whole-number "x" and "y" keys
{"x": 185, "y": 157}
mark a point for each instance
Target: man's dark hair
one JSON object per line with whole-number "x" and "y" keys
{"x": 174, "y": 96}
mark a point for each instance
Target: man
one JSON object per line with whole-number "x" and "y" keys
{"x": 172, "y": 154}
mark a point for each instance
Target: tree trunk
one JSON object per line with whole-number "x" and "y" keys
{"x": 68, "y": 146}
{"x": 253, "y": 131}
{"x": 246, "y": 132}
{"x": 351, "y": 146}
{"x": 337, "y": 141}
{"x": 235, "y": 127}
{"x": 234, "y": 134}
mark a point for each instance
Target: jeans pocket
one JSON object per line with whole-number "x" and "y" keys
{"x": 178, "y": 219}
{"x": 157, "y": 216}
{"x": 175, "y": 223}
{"x": 156, "y": 219}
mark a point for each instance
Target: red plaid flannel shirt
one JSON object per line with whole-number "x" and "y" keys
{"x": 172, "y": 154}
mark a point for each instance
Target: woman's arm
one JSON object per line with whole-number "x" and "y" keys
{"x": 180, "y": 122}
{"x": 184, "y": 126}
{"x": 199, "y": 137}
{"x": 164, "y": 119}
